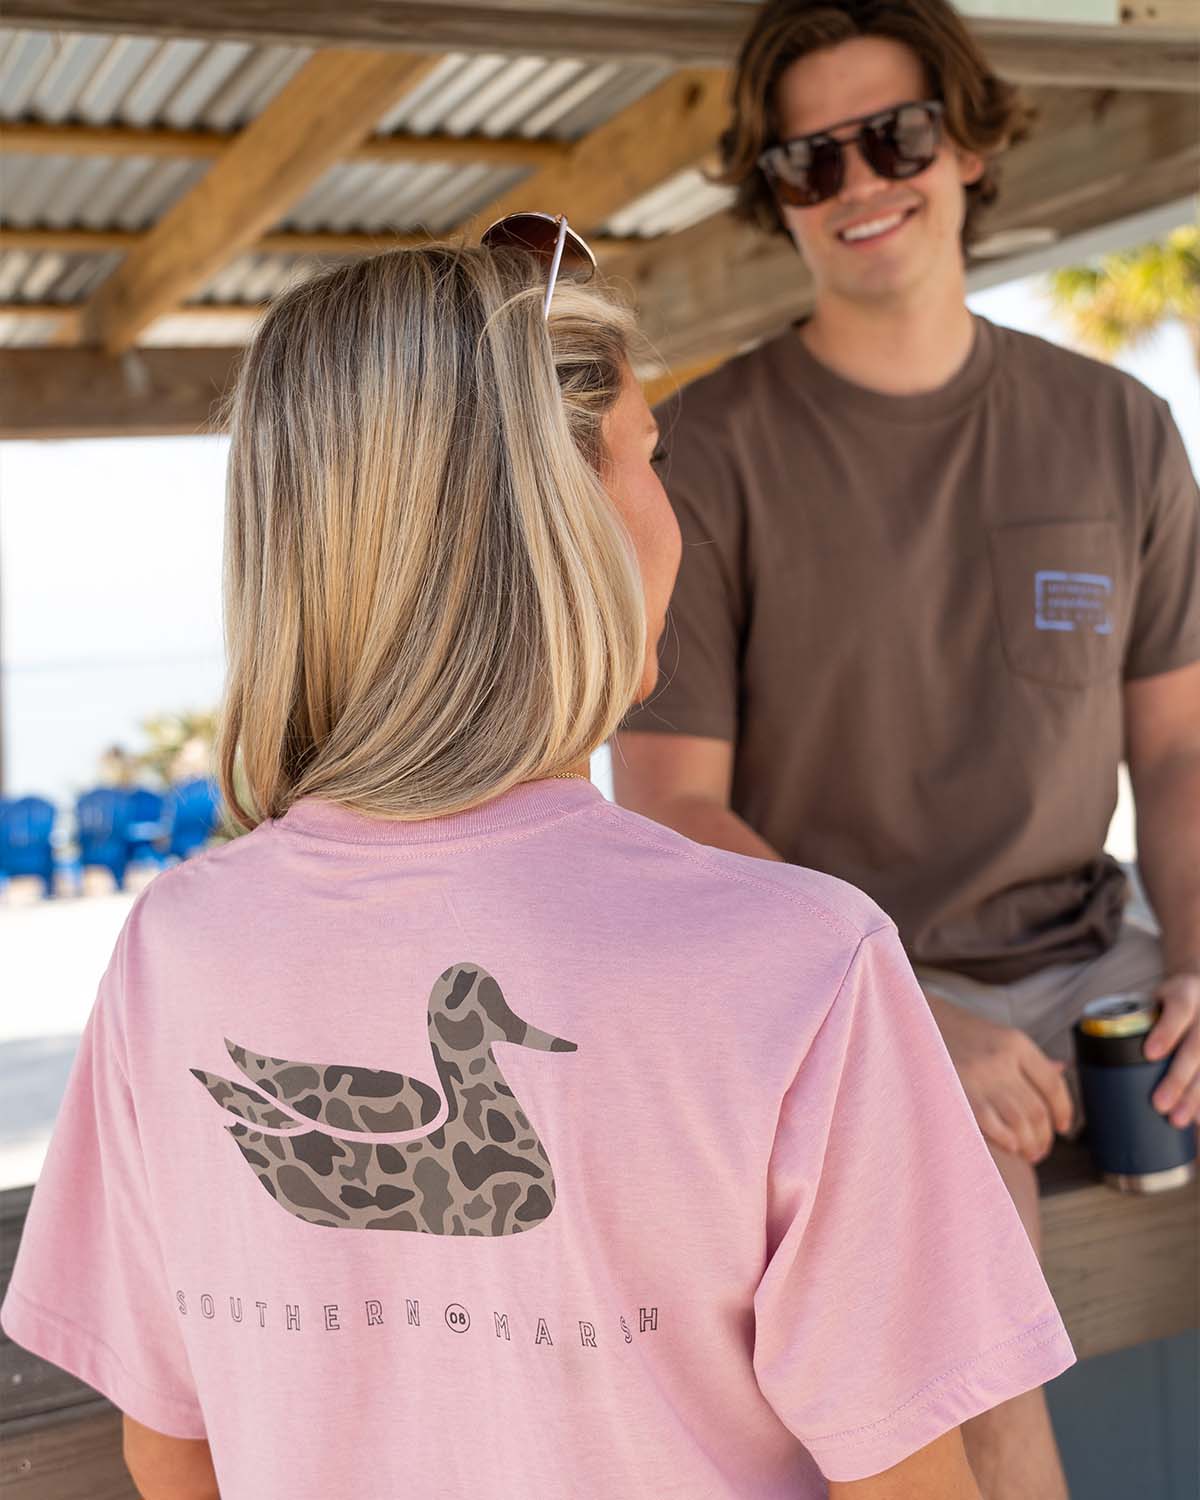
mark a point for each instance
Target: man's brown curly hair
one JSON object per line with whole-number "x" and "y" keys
{"x": 983, "y": 114}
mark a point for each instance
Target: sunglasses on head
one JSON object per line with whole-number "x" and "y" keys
{"x": 895, "y": 143}
{"x": 547, "y": 236}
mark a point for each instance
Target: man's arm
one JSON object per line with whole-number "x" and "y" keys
{"x": 1162, "y": 745}
{"x": 683, "y": 781}
{"x": 938, "y": 1471}
{"x": 168, "y": 1468}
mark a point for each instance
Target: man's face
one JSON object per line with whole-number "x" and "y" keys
{"x": 915, "y": 224}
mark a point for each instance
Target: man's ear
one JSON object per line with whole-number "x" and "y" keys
{"x": 971, "y": 166}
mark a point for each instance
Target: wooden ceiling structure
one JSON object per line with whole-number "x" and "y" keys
{"x": 1117, "y": 134}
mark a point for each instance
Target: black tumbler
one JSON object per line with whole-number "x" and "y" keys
{"x": 1136, "y": 1148}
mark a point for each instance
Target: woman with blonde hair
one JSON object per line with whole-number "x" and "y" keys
{"x": 456, "y": 1132}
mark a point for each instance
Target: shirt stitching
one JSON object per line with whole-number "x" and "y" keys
{"x": 401, "y": 850}
{"x": 867, "y": 1429}
{"x": 56, "y": 1319}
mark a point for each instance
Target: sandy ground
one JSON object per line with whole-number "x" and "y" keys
{"x": 52, "y": 955}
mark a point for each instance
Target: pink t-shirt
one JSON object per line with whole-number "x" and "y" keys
{"x": 738, "y": 1228}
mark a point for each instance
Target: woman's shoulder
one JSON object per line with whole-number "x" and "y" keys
{"x": 746, "y": 886}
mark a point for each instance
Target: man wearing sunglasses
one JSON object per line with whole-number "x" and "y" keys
{"x": 938, "y": 579}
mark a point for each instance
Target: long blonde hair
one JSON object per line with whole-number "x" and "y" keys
{"x": 429, "y": 595}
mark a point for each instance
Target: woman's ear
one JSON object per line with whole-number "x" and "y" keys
{"x": 971, "y": 166}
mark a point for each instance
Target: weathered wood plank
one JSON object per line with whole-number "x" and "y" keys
{"x": 330, "y": 104}
{"x": 70, "y": 1455}
{"x": 679, "y": 33}
{"x": 287, "y": 242}
{"x": 85, "y": 393}
{"x": 1122, "y": 1267}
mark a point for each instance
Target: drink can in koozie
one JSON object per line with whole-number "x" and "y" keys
{"x": 1135, "y": 1147}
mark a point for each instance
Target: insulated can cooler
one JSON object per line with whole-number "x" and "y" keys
{"x": 1136, "y": 1149}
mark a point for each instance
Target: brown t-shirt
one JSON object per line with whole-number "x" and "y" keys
{"x": 912, "y": 617}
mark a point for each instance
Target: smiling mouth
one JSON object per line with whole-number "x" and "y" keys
{"x": 870, "y": 230}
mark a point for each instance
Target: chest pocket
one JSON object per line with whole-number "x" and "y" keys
{"x": 1059, "y": 598}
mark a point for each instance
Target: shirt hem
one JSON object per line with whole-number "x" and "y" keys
{"x": 78, "y": 1351}
{"x": 1007, "y": 1370}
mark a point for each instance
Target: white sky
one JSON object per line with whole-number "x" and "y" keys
{"x": 110, "y": 560}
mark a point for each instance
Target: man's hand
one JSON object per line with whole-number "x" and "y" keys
{"x": 1178, "y": 1095}
{"x": 1016, "y": 1092}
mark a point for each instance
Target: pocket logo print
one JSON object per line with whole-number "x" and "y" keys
{"x": 1073, "y": 601}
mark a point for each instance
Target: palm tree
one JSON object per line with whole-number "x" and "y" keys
{"x": 1120, "y": 302}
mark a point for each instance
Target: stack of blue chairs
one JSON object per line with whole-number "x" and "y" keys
{"x": 192, "y": 812}
{"x": 117, "y": 827}
{"x": 26, "y": 826}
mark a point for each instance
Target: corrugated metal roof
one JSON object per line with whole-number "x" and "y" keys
{"x": 257, "y": 278}
{"x": 683, "y": 199}
{"x": 92, "y": 192}
{"x": 65, "y": 77}
{"x": 51, "y": 276}
{"x": 139, "y": 81}
{"x": 375, "y": 197}
{"x": 194, "y": 85}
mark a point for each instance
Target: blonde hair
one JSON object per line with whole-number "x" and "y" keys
{"x": 429, "y": 595}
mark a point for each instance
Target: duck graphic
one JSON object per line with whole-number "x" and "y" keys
{"x": 471, "y": 1163}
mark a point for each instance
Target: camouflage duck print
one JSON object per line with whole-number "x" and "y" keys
{"x": 478, "y": 1170}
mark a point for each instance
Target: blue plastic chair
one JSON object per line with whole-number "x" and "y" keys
{"x": 26, "y": 826}
{"x": 103, "y": 818}
{"x": 146, "y": 827}
{"x": 193, "y": 811}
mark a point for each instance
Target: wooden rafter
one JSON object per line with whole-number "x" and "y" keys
{"x": 672, "y": 127}
{"x": 286, "y": 242}
{"x": 335, "y": 100}
{"x": 33, "y": 138}
{"x": 702, "y": 33}
{"x": 71, "y": 393}
{"x": 87, "y": 393}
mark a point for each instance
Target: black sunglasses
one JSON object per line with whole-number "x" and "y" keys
{"x": 549, "y": 237}
{"x": 895, "y": 143}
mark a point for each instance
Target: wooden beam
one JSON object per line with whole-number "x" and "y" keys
{"x": 678, "y": 33}
{"x": 1179, "y": 15}
{"x": 674, "y": 126}
{"x": 65, "y": 393}
{"x": 32, "y": 138}
{"x": 68, "y": 393}
{"x": 1122, "y": 1268}
{"x": 1092, "y": 57}
{"x": 287, "y": 242}
{"x": 326, "y": 109}
{"x": 658, "y": 387}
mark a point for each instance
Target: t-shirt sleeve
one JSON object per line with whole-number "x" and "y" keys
{"x": 699, "y": 658}
{"x": 1165, "y": 632}
{"x": 89, "y": 1290}
{"x": 901, "y": 1294}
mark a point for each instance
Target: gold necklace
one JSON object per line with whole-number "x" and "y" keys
{"x": 567, "y": 776}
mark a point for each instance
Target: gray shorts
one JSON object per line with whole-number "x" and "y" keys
{"x": 1046, "y": 1005}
